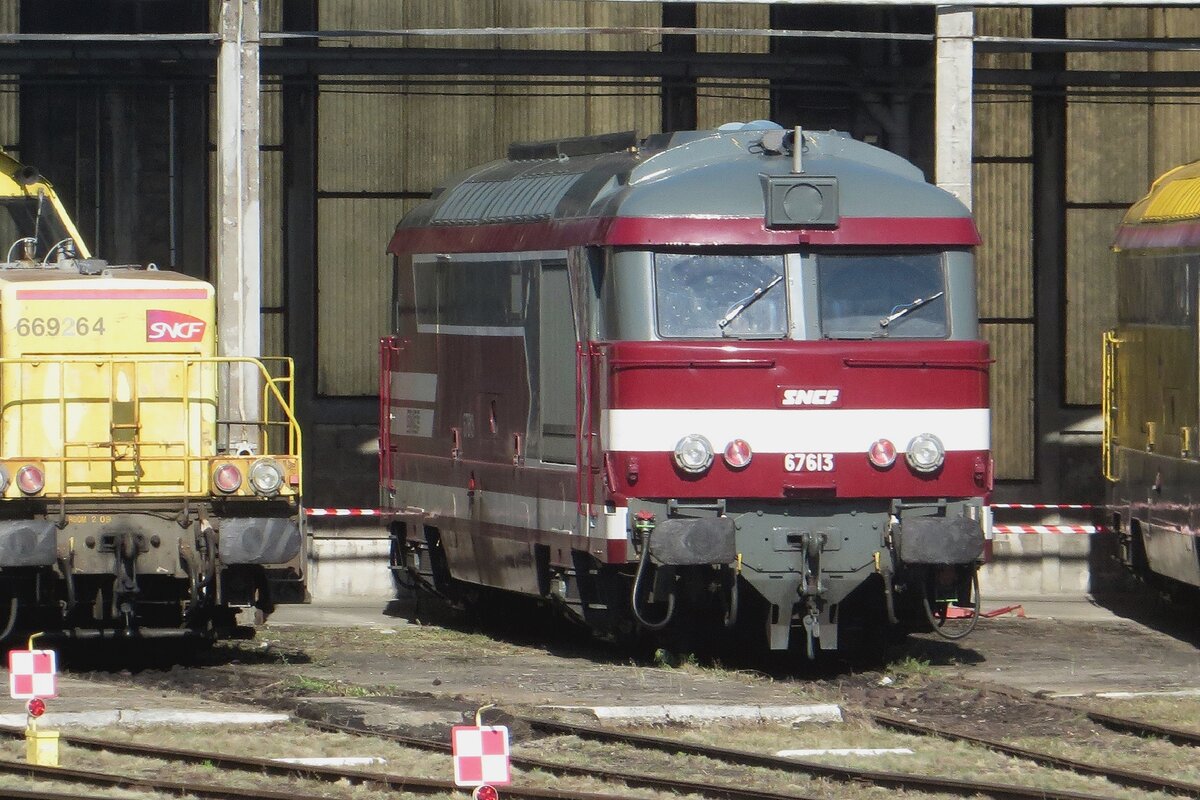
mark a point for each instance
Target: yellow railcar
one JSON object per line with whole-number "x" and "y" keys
{"x": 1151, "y": 375}
{"x": 131, "y": 502}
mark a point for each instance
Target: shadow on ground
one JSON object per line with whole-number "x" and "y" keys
{"x": 518, "y": 621}
{"x": 1170, "y": 610}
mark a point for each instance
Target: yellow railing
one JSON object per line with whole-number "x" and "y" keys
{"x": 1110, "y": 403}
{"x": 162, "y": 427}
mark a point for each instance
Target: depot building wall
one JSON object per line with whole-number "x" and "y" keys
{"x": 1046, "y": 197}
{"x": 381, "y": 148}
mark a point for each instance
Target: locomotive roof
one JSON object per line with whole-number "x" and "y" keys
{"x": 708, "y": 183}
{"x": 1168, "y": 216}
{"x": 128, "y": 276}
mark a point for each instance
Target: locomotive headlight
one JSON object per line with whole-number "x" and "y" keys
{"x": 925, "y": 453}
{"x": 694, "y": 453}
{"x": 4, "y": 479}
{"x": 266, "y": 477}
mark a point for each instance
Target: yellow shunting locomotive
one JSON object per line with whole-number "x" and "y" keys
{"x": 129, "y": 504}
{"x": 1151, "y": 405}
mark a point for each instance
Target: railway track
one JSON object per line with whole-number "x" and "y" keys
{"x": 114, "y": 781}
{"x": 35, "y": 794}
{"x": 1113, "y": 722}
{"x": 1124, "y": 777}
{"x": 422, "y": 785}
{"x": 334, "y": 774}
{"x": 626, "y": 778}
{"x": 894, "y": 780}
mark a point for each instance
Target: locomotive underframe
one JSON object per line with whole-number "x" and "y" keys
{"x": 801, "y": 560}
{"x": 148, "y": 569}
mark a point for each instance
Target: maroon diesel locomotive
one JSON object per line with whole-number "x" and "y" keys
{"x": 690, "y": 380}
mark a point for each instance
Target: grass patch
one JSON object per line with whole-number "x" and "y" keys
{"x": 328, "y": 688}
{"x": 1173, "y": 711}
{"x": 910, "y": 670}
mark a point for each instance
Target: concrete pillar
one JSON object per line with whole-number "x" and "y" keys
{"x": 953, "y": 97}
{"x": 239, "y": 238}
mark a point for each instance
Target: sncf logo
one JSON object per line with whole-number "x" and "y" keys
{"x": 171, "y": 326}
{"x": 810, "y": 397}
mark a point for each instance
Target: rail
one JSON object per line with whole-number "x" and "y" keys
{"x": 147, "y": 400}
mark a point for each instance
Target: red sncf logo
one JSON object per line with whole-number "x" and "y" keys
{"x": 171, "y": 326}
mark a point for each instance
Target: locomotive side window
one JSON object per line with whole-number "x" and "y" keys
{"x": 713, "y": 296}
{"x": 480, "y": 297}
{"x": 1157, "y": 290}
{"x": 895, "y": 295}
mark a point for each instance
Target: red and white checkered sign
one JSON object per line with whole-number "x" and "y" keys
{"x": 32, "y": 673}
{"x": 480, "y": 755}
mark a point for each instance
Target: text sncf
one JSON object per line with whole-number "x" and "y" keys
{"x": 171, "y": 326}
{"x": 810, "y": 397}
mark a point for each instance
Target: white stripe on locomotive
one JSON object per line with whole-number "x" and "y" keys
{"x": 770, "y": 430}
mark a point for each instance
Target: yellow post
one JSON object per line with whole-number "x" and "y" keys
{"x": 41, "y": 747}
{"x": 479, "y": 714}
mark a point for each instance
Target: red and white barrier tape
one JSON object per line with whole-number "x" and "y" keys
{"x": 347, "y": 512}
{"x": 1046, "y": 506}
{"x": 1050, "y": 529}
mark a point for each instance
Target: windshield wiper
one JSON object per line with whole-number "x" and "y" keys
{"x": 742, "y": 305}
{"x": 908, "y": 309}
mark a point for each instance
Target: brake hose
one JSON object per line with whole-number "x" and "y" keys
{"x": 937, "y": 626}
{"x": 637, "y": 582}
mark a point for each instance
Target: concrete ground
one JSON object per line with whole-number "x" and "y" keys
{"x": 1060, "y": 646}
{"x": 368, "y": 612}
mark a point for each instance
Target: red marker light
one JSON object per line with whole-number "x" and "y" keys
{"x": 738, "y": 453}
{"x": 36, "y": 707}
{"x": 30, "y": 479}
{"x": 227, "y": 478}
{"x": 882, "y": 453}
{"x": 485, "y": 792}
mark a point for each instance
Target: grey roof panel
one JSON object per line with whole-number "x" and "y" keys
{"x": 523, "y": 197}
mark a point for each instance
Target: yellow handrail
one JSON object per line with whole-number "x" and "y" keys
{"x": 1109, "y": 405}
{"x": 277, "y": 388}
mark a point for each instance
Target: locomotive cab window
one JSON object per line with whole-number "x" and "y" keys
{"x": 29, "y": 217}
{"x": 720, "y": 295}
{"x": 895, "y": 295}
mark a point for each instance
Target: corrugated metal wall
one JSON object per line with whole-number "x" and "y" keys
{"x": 273, "y": 297}
{"x": 379, "y": 139}
{"x": 1175, "y": 124}
{"x": 1116, "y": 147}
{"x": 719, "y": 102}
{"x": 1107, "y": 168}
{"x": 627, "y": 103}
{"x": 364, "y": 131}
{"x": 1003, "y": 178}
{"x": 10, "y": 106}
